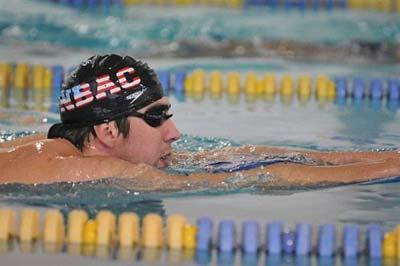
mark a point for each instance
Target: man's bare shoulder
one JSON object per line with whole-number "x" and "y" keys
{"x": 38, "y": 145}
{"x": 36, "y": 160}
{"x": 22, "y": 140}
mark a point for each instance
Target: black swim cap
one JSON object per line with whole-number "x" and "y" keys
{"x": 107, "y": 87}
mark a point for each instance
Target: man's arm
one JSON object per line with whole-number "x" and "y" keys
{"x": 333, "y": 158}
{"x": 146, "y": 177}
{"x": 50, "y": 168}
{"x": 350, "y": 173}
{"x": 47, "y": 168}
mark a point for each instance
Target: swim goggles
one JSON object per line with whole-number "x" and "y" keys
{"x": 155, "y": 116}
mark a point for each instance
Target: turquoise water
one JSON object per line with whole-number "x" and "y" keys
{"x": 145, "y": 30}
{"x": 357, "y": 44}
{"x": 209, "y": 126}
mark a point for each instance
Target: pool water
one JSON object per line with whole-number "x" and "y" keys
{"x": 260, "y": 123}
{"x": 326, "y": 128}
{"x": 358, "y": 44}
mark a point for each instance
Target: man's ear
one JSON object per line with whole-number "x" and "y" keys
{"x": 107, "y": 133}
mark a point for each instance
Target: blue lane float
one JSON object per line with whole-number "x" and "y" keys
{"x": 376, "y": 89}
{"x": 341, "y": 87}
{"x": 393, "y": 90}
{"x": 350, "y": 240}
{"x": 274, "y": 231}
{"x": 250, "y": 233}
{"x": 374, "y": 241}
{"x": 180, "y": 77}
{"x": 58, "y": 78}
{"x": 326, "y": 240}
{"x": 165, "y": 81}
{"x": 179, "y": 88}
{"x": 303, "y": 239}
{"x": 358, "y": 89}
{"x": 204, "y": 235}
{"x": 288, "y": 242}
{"x": 226, "y": 236}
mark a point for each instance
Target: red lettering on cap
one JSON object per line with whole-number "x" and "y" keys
{"x": 82, "y": 94}
{"x": 122, "y": 80}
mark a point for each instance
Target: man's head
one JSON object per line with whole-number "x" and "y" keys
{"x": 115, "y": 106}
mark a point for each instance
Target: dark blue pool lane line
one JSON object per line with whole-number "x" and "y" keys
{"x": 85, "y": 236}
{"x": 88, "y": 4}
{"x": 301, "y": 5}
{"x": 280, "y": 242}
{"x": 347, "y": 90}
{"x": 357, "y": 88}
{"x": 196, "y": 84}
{"x": 298, "y": 242}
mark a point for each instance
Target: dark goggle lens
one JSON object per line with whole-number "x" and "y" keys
{"x": 156, "y": 120}
{"x": 155, "y": 116}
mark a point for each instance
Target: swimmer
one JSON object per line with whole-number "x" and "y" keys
{"x": 116, "y": 123}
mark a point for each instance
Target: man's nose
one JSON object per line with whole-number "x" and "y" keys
{"x": 172, "y": 133}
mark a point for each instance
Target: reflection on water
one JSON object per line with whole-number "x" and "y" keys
{"x": 374, "y": 204}
{"x": 365, "y": 122}
{"x": 90, "y": 196}
{"x": 189, "y": 257}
